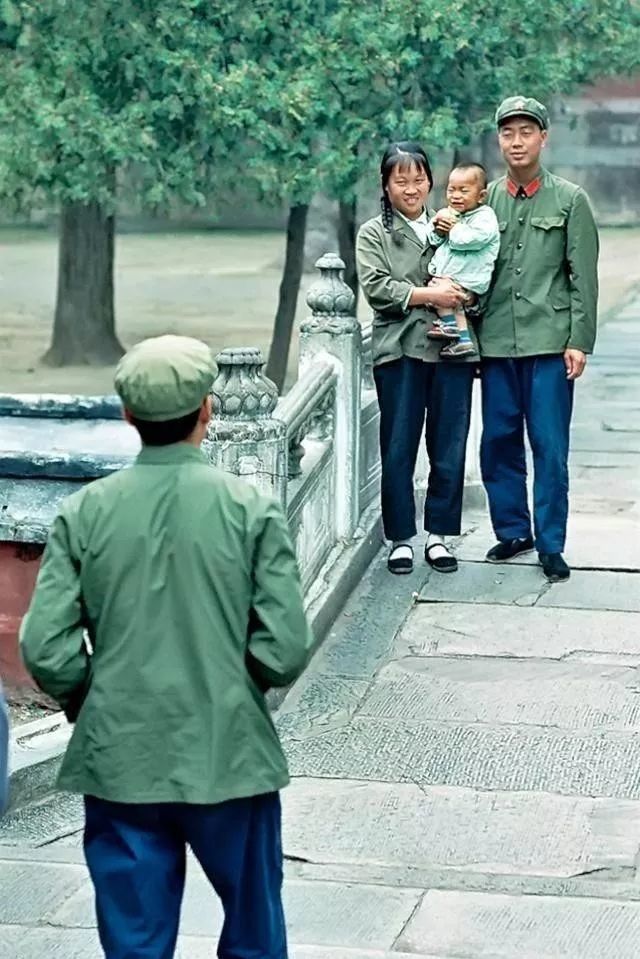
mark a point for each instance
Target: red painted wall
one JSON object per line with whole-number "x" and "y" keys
{"x": 19, "y": 564}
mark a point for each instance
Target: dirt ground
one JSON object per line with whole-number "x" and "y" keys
{"x": 220, "y": 286}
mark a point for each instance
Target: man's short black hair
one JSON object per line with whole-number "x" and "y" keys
{"x": 166, "y": 432}
{"x": 480, "y": 170}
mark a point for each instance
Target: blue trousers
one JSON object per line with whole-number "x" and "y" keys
{"x": 136, "y": 858}
{"x": 532, "y": 391}
{"x": 408, "y": 390}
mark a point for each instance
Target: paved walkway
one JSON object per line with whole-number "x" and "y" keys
{"x": 466, "y": 750}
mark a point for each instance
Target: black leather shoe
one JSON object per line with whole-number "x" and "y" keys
{"x": 508, "y": 549}
{"x": 443, "y": 564}
{"x": 399, "y": 562}
{"x": 554, "y": 567}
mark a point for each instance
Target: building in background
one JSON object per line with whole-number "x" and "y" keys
{"x": 595, "y": 141}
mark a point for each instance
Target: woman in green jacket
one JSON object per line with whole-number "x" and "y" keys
{"x": 412, "y": 382}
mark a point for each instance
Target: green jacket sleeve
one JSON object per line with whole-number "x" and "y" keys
{"x": 383, "y": 293}
{"x": 582, "y": 255}
{"x": 52, "y": 634}
{"x": 280, "y": 639}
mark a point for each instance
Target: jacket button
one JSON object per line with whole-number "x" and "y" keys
{"x": 520, "y": 219}
{"x": 519, "y": 246}
{"x": 518, "y": 270}
{"x": 518, "y": 296}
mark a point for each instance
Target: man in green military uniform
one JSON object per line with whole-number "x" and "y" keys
{"x": 167, "y": 603}
{"x": 539, "y": 326}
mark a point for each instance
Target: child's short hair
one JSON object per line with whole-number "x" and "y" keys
{"x": 478, "y": 167}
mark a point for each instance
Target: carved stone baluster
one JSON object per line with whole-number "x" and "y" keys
{"x": 333, "y": 330}
{"x": 368, "y": 382}
{"x": 322, "y": 423}
{"x": 243, "y": 438}
{"x": 296, "y": 452}
{"x": 241, "y": 390}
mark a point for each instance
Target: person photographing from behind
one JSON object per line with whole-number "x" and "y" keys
{"x": 186, "y": 583}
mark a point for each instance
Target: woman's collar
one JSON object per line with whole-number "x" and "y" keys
{"x": 420, "y": 219}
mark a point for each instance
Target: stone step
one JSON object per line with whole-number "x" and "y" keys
{"x": 35, "y": 752}
{"x": 415, "y": 830}
{"x": 481, "y": 926}
{"x": 563, "y": 695}
{"x": 333, "y": 920}
{"x": 446, "y": 629}
{"x": 321, "y": 913}
{"x": 585, "y": 439}
{"x": 603, "y": 534}
{"x": 57, "y": 817}
{"x": 192, "y": 948}
{"x": 526, "y": 586}
{"x": 476, "y": 756}
{"x": 44, "y": 943}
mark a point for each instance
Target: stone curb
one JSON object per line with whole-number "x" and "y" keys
{"x": 54, "y": 405}
{"x": 35, "y": 753}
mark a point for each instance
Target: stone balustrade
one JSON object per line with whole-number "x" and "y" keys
{"x": 315, "y": 449}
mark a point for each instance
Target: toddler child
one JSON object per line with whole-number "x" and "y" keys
{"x": 467, "y": 238}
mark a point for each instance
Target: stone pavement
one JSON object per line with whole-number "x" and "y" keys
{"x": 465, "y": 750}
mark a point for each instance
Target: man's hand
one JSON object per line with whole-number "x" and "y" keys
{"x": 575, "y": 362}
{"x": 444, "y": 221}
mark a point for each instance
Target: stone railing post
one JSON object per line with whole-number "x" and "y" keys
{"x": 333, "y": 331}
{"x": 243, "y": 438}
{"x": 474, "y": 489}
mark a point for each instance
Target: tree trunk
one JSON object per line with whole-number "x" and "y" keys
{"x": 486, "y": 148}
{"x": 288, "y": 295}
{"x": 84, "y": 323}
{"x": 347, "y": 243}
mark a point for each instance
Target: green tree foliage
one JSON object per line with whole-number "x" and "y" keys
{"x": 90, "y": 91}
{"x": 435, "y": 72}
{"x": 273, "y": 100}
{"x": 283, "y": 110}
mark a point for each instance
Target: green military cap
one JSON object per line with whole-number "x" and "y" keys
{"x": 523, "y": 107}
{"x": 165, "y": 377}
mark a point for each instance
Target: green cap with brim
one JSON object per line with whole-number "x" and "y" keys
{"x": 523, "y": 107}
{"x": 165, "y": 377}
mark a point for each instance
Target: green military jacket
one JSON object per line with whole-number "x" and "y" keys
{"x": 186, "y": 583}
{"x": 544, "y": 293}
{"x": 390, "y": 265}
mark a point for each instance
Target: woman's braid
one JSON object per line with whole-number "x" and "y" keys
{"x": 387, "y": 212}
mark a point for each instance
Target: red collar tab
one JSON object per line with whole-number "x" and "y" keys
{"x": 526, "y": 191}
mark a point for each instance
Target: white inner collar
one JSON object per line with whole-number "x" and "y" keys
{"x": 420, "y": 226}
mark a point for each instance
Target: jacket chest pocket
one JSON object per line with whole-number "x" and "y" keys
{"x": 548, "y": 239}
